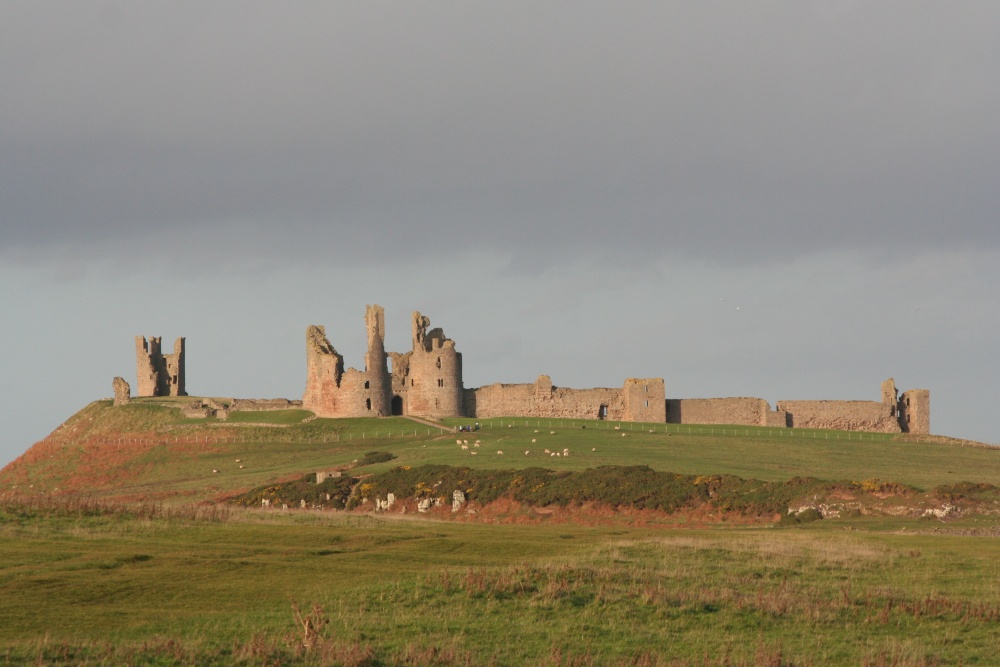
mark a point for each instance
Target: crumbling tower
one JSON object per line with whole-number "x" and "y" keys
{"x": 433, "y": 383}
{"x": 159, "y": 374}
{"x": 332, "y": 391}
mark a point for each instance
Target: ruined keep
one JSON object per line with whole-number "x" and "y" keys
{"x": 426, "y": 381}
{"x": 159, "y": 374}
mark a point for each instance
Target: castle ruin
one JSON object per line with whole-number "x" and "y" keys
{"x": 427, "y": 382}
{"x": 159, "y": 374}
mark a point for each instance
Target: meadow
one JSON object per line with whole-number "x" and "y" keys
{"x": 149, "y": 565}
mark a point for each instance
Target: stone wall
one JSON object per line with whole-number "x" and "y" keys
{"x": 263, "y": 404}
{"x": 638, "y": 400}
{"x": 841, "y": 415}
{"x": 123, "y": 393}
{"x": 744, "y": 411}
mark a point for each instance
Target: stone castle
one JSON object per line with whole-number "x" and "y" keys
{"x": 427, "y": 382}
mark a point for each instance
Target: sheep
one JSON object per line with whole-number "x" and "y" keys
{"x": 536, "y": 430}
{"x": 477, "y": 444}
{"x": 552, "y": 432}
{"x": 214, "y": 470}
{"x": 473, "y": 453}
{"x": 652, "y": 431}
{"x": 458, "y": 442}
{"x": 593, "y": 449}
{"x": 618, "y": 428}
{"x": 624, "y": 434}
{"x": 526, "y": 452}
{"x": 465, "y": 442}
{"x": 499, "y": 452}
{"x": 241, "y": 467}
{"x": 239, "y": 460}
{"x": 533, "y": 441}
{"x": 465, "y": 446}
{"x": 264, "y": 502}
{"x": 546, "y": 451}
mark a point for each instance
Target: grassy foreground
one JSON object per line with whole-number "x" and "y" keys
{"x": 87, "y": 584}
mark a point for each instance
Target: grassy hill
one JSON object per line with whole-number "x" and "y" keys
{"x": 113, "y": 552}
{"x": 148, "y": 451}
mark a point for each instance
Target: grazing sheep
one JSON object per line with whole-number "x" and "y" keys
{"x": 593, "y": 449}
{"x": 264, "y": 502}
{"x": 465, "y": 446}
{"x": 214, "y": 470}
{"x": 239, "y": 460}
{"x": 477, "y": 444}
{"x": 536, "y": 430}
{"x": 241, "y": 467}
{"x": 526, "y": 452}
{"x": 552, "y": 432}
{"x": 499, "y": 452}
{"x": 458, "y": 442}
{"x": 465, "y": 442}
{"x": 565, "y": 455}
{"x": 546, "y": 451}
{"x": 473, "y": 453}
{"x": 624, "y": 434}
{"x": 618, "y": 428}
{"x": 651, "y": 431}
{"x": 533, "y": 441}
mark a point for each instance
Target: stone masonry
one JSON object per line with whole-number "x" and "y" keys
{"x": 159, "y": 374}
{"x": 427, "y": 382}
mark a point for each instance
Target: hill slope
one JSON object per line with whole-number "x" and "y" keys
{"x": 147, "y": 450}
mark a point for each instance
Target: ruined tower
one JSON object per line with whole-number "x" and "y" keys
{"x": 332, "y": 391}
{"x": 427, "y": 381}
{"x": 915, "y": 411}
{"x": 159, "y": 374}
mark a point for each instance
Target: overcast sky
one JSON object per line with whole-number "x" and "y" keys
{"x": 777, "y": 199}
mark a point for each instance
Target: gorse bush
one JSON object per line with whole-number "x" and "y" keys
{"x": 375, "y": 457}
{"x": 637, "y": 487}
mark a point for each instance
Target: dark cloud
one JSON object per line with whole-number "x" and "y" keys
{"x": 720, "y": 131}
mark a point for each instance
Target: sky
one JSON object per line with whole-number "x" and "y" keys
{"x": 784, "y": 200}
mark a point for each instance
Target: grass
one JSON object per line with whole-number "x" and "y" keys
{"x": 112, "y": 553}
{"x": 488, "y": 594}
{"x": 149, "y": 450}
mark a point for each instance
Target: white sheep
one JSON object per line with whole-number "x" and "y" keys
{"x": 533, "y": 441}
{"x": 526, "y": 452}
{"x": 624, "y": 434}
{"x": 465, "y": 446}
{"x": 552, "y": 432}
{"x": 458, "y": 442}
{"x": 499, "y": 452}
{"x": 477, "y": 444}
{"x": 473, "y": 453}
{"x": 214, "y": 470}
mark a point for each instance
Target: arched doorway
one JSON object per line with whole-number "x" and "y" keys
{"x": 397, "y": 406}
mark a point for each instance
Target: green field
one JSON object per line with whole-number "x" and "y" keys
{"x": 115, "y": 549}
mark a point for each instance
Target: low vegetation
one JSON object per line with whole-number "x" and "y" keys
{"x": 134, "y": 536}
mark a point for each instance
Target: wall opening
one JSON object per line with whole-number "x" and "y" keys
{"x": 397, "y": 406}
{"x": 367, "y": 384}
{"x": 602, "y": 412}
{"x": 440, "y": 383}
{"x": 368, "y": 403}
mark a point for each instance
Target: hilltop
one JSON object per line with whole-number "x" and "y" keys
{"x": 149, "y": 451}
